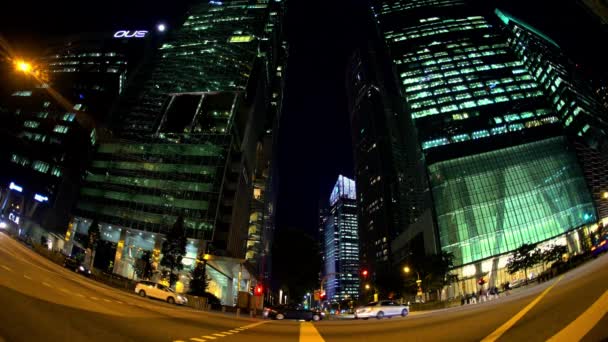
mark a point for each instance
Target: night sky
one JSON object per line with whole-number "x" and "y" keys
{"x": 314, "y": 141}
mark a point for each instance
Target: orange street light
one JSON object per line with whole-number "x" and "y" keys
{"x": 23, "y": 66}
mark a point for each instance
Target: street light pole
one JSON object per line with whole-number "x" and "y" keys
{"x": 407, "y": 270}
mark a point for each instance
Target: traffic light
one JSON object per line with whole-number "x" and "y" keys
{"x": 364, "y": 273}
{"x": 322, "y": 295}
{"x": 259, "y": 290}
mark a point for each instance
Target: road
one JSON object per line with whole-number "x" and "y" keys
{"x": 42, "y": 301}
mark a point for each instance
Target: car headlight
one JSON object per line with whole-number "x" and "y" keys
{"x": 81, "y": 268}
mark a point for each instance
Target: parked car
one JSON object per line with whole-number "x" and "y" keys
{"x": 159, "y": 291}
{"x": 292, "y": 312}
{"x": 381, "y": 309}
{"x": 76, "y": 266}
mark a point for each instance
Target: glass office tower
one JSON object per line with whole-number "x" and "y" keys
{"x": 186, "y": 133}
{"x": 341, "y": 242}
{"x": 500, "y": 169}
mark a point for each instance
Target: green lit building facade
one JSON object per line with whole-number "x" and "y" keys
{"x": 501, "y": 168}
{"x": 186, "y": 137}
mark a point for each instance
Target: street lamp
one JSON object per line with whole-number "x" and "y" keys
{"x": 367, "y": 286}
{"x": 23, "y": 66}
{"x": 407, "y": 270}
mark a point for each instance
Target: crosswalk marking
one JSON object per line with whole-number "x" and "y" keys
{"x": 27, "y": 277}
{"x": 7, "y": 268}
{"x": 197, "y": 339}
{"x": 220, "y": 335}
{"x": 210, "y": 337}
{"x": 46, "y": 284}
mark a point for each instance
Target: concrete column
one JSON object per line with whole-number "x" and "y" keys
{"x": 120, "y": 247}
{"x": 229, "y": 292}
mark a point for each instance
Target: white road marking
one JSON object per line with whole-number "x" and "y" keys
{"x": 210, "y": 337}
{"x": 234, "y": 331}
{"x": 7, "y": 268}
{"x": 197, "y": 339}
{"x": 227, "y": 332}
{"x": 46, "y": 284}
{"x": 27, "y": 277}
{"x": 220, "y": 335}
{"x": 80, "y": 295}
{"x": 64, "y": 290}
{"x": 107, "y": 300}
{"x": 119, "y": 302}
{"x": 94, "y": 298}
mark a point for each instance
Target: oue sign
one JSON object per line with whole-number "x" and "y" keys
{"x": 130, "y": 34}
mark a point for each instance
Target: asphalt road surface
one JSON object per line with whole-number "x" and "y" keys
{"x": 41, "y": 301}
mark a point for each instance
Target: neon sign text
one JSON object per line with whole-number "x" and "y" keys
{"x": 130, "y": 34}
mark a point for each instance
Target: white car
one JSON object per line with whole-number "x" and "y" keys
{"x": 381, "y": 309}
{"x": 159, "y": 291}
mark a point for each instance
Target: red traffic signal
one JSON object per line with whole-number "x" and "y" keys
{"x": 364, "y": 273}
{"x": 258, "y": 290}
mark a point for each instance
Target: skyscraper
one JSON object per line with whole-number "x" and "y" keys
{"x": 50, "y": 122}
{"x": 341, "y": 242}
{"x": 500, "y": 167}
{"x": 186, "y": 139}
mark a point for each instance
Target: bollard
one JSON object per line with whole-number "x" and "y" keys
{"x": 238, "y": 312}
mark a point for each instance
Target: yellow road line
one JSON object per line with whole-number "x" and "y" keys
{"x": 46, "y": 284}
{"x": 583, "y": 323}
{"x": 210, "y": 337}
{"x": 227, "y": 333}
{"x": 27, "y": 277}
{"x": 197, "y": 339}
{"x": 508, "y": 324}
{"x": 308, "y": 333}
{"x": 7, "y": 268}
{"x": 252, "y": 325}
{"x": 219, "y": 335}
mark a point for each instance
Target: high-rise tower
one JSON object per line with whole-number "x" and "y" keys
{"x": 187, "y": 138}
{"x": 500, "y": 168}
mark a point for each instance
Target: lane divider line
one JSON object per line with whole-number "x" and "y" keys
{"x": 218, "y": 335}
{"x": 308, "y": 333}
{"x": 210, "y": 337}
{"x": 577, "y": 329}
{"x": 80, "y": 295}
{"x": 107, "y": 300}
{"x": 94, "y": 298}
{"x": 46, "y": 284}
{"x": 496, "y": 334}
{"x": 7, "y": 268}
{"x": 27, "y": 277}
{"x": 64, "y": 290}
{"x": 197, "y": 339}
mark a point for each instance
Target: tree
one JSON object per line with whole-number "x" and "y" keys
{"x": 144, "y": 265}
{"x": 524, "y": 257}
{"x": 174, "y": 249}
{"x": 92, "y": 240}
{"x": 200, "y": 281}
{"x": 296, "y": 262}
{"x": 553, "y": 253}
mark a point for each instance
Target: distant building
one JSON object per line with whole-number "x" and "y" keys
{"x": 341, "y": 243}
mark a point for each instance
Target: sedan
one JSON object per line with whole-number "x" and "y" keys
{"x": 76, "y": 266}
{"x": 292, "y": 312}
{"x": 159, "y": 291}
{"x": 381, "y": 309}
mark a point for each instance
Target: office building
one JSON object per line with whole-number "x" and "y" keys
{"x": 341, "y": 243}
{"x": 501, "y": 167}
{"x": 186, "y": 141}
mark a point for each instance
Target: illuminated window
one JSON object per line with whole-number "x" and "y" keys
{"x": 60, "y": 129}
{"x": 69, "y": 117}
{"x": 31, "y": 124}
{"x": 40, "y": 166}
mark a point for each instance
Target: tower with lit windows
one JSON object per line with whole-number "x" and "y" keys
{"x": 341, "y": 242}
{"x": 499, "y": 168}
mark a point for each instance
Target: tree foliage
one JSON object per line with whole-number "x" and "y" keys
{"x": 524, "y": 257}
{"x": 296, "y": 262}
{"x": 143, "y": 266}
{"x": 200, "y": 281}
{"x": 174, "y": 249}
{"x": 93, "y": 235}
{"x": 434, "y": 270}
{"x": 553, "y": 253}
